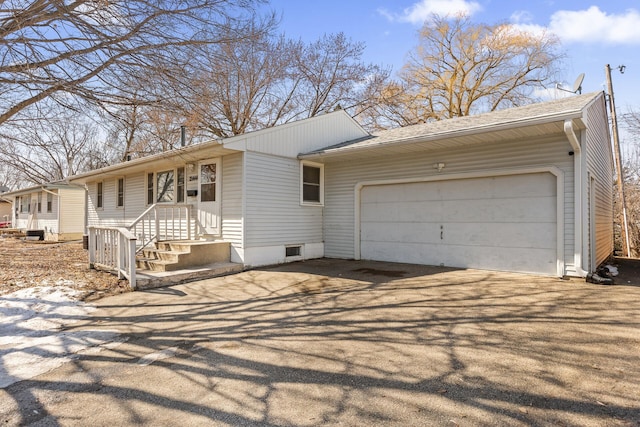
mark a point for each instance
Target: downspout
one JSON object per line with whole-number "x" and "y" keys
{"x": 86, "y": 217}
{"x": 577, "y": 169}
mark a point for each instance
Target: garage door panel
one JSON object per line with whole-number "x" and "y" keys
{"x": 406, "y": 212}
{"x": 462, "y": 189}
{"x": 502, "y": 223}
{"x": 521, "y": 185}
{"x": 394, "y": 193}
{"x": 526, "y": 209}
{"x": 538, "y": 209}
{"x": 409, "y": 253}
{"x": 513, "y": 235}
{"x": 524, "y": 260}
{"x": 400, "y": 232}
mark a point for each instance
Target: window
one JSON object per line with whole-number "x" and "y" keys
{"x": 49, "y": 202}
{"x": 25, "y": 204}
{"x": 165, "y": 186}
{"x": 208, "y": 182}
{"x": 39, "y": 205}
{"x": 312, "y": 183}
{"x": 292, "y": 251}
{"x": 120, "y": 194}
{"x": 99, "y": 196}
{"x": 150, "y": 200}
{"x": 180, "y": 186}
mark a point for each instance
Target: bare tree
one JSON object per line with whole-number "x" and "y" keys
{"x": 50, "y": 150}
{"x": 51, "y": 48}
{"x": 461, "y": 68}
{"x": 631, "y": 175}
{"x": 242, "y": 85}
{"x": 332, "y": 74}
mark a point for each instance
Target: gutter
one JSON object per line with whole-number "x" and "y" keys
{"x": 474, "y": 130}
{"x": 578, "y": 189}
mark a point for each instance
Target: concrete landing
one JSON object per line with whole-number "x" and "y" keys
{"x": 147, "y": 279}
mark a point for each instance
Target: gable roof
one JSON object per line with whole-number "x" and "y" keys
{"x": 288, "y": 139}
{"x": 57, "y": 185}
{"x": 532, "y": 120}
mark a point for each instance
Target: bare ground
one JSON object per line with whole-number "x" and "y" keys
{"x": 25, "y": 264}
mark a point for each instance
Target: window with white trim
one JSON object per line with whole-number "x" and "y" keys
{"x": 165, "y": 184}
{"x": 49, "y": 202}
{"x": 180, "y": 185}
{"x": 150, "y": 199}
{"x": 312, "y": 183}
{"x": 25, "y": 204}
{"x": 120, "y": 193}
{"x": 99, "y": 195}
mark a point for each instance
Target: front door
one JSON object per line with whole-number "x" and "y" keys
{"x": 209, "y": 197}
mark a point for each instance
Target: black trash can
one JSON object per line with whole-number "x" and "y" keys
{"x": 34, "y": 233}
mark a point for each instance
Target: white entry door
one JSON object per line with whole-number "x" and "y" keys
{"x": 209, "y": 175}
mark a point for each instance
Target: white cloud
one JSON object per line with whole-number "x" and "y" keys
{"x": 521, "y": 17}
{"x": 595, "y": 26}
{"x": 424, "y": 9}
{"x": 536, "y": 30}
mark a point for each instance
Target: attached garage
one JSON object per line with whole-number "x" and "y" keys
{"x": 506, "y": 222}
{"x": 508, "y": 190}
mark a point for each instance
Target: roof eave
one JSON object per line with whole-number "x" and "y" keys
{"x": 496, "y": 127}
{"x": 42, "y": 187}
{"x": 83, "y": 177}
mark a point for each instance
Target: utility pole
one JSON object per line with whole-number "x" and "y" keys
{"x": 616, "y": 148}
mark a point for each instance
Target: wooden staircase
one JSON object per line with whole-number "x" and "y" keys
{"x": 179, "y": 261}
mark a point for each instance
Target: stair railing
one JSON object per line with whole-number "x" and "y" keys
{"x": 113, "y": 249}
{"x": 162, "y": 221}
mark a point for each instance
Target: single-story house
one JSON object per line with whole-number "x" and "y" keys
{"x": 5, "y": 209}
{"x": 526, "y": 189}
{"x": 56, "y": 209}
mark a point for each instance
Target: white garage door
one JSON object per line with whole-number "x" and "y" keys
{"x": 503, "y": 223}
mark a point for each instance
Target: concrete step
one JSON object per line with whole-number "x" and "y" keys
{"x": 147, "y": 279}
{"x": 152, "y": 254}
{"x": 177, "y": 255}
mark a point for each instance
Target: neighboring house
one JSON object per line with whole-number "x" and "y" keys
{"x": 5, "y": 209}
{"x": 57, "y": 209}
{"x": 527, "y": 189}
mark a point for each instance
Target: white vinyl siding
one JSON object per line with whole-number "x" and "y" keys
{"x": 232, "y": 199}
{"x": 274, "y": 215}
{"x": 302, "y": 136}
{"x": 71, "y": 211}
{"x": 341, "y": 178}
{"x": 134, "y": 196}
{"x": 600, "y": 167}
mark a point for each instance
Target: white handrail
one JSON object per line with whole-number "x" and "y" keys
{"x": 113, "y": 249}
{"x": 142, "y": 215}
{"x": 163, "y": 222}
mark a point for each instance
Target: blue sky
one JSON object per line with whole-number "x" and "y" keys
{"x": 593, "y": 32}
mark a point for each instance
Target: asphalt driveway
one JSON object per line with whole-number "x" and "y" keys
{"x": 352, "y": 343}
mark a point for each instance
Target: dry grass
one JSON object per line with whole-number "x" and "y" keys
{"x": 25, "y": 264}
